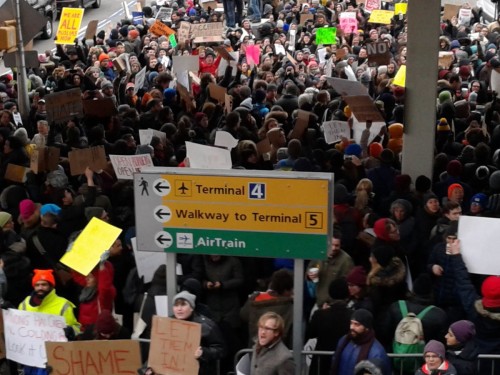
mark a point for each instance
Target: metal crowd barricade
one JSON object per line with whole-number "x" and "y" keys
{"x": 315, "y": 354}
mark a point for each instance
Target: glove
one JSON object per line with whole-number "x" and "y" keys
{"x": 69, "y": 333}
{"x": 104, "y": 256}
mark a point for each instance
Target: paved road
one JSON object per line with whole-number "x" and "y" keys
{"x": 110, "y": 11}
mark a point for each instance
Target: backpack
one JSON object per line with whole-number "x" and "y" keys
{"x": 409, "y": 338}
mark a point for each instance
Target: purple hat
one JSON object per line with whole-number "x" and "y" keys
{"x": 463, "y": 330}
{"x": 435, "y": 347}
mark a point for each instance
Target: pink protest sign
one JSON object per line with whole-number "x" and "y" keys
{"x": 253, "y": 55}
{"x": 371, "y": 5}
{"x": 348, "y": 22}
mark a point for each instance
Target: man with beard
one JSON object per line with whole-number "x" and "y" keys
{"x": 358, "y": 345}
{"x": 44, "y": 299}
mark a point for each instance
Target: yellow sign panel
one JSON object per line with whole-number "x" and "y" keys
{"x": 248, "y": 190}
{"x": 381, "y": 16}
{"x": 93, "y": 241}
{"x": 67, "y": 32}
{"x": 400, "y": 79}
{"x": 400, "y": 8}
{"x": 259, "y": 218}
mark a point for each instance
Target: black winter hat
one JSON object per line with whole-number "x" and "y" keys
{"x": 363, "y": 317}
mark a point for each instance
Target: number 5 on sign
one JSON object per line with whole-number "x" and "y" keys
{"x": 314, "y": 220}
{"x": 256, "y": 190}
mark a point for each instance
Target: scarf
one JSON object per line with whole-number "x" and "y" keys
{"x": 87, "y": 294}
{"x": 365, "y": 342}
{"x": 35, "y": 299}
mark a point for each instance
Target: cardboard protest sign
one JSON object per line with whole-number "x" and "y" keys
{"x": 69, "y": 25}
{"x": 264, "y": 146}
{"x": 208, "y": 157}
{"x": 306, "y": 16}
{"x": 159, "y": 28}
{"x": 476, "y": 235}
{"x": 445, "y": 59}
{"x": 64, "y": 105}
{"x": 186, "y": 97}
{"x": 400, "y": 78}
{"x": 16, "y": 173}
{"x": 26, "y": 333}
{"x": 93, "y": 157}
{"x": 378, "y": 53}
{"x": 326, "y": 35}
{"x": 91, "y": 29}
{"x": 221, "y": 50}
{"x": 217, "y": 92}
{"x": 371, "y": 5}
{"x": 300, "y": 126}
{"x": 364, "y": 108}
{"x": 381, "y": 16}
{"x": 348, "y": 22}
{"x": 209, "y": 4}
{"x": 345, "y": 87}
{"x": 100, "y": 108}
{"x": 183, "y": 32}
{"x": 450, "y": 11}
{"x": 99, "y": 357}
{"x": 335, "y": 130}
{"x": 207, "y": 32}
{"x": 44, "y": 159}
{"x": 173, "y": 343}
{"x": 253, "y": 55}
{"x": 96, "y": 238}
{"x": 126, "y": 165}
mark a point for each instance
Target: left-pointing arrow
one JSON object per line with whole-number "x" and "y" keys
{"x": 162, "y": 214}
{"x": 163, "y": 240}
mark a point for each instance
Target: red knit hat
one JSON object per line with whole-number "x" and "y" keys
{"x": 43, "y": 275}
{"x": 375, "y": 149}
{"x": 357, "y": 276}
{"x": 452, "y": 187}
{"x": 380, "y": 229}
{"x": 491, "y": 292}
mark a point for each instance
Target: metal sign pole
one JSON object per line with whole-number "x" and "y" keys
{"x": 22, "y": 79}
{"x": 298, "y": 302}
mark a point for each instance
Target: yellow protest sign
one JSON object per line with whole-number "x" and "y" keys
{"x": 71, "y": 18}
{"x": 93, "y": 241}
{"x": 381, "y": 16}
{"x": 400, "y": 8}
{"x": 400, "y": 79}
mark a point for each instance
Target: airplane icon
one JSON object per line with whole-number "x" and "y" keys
{"x": 184, "y": 239}
{"x": 183, "y": 189}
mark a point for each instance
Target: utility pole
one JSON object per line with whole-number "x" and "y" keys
{"x": 23, "y": 103}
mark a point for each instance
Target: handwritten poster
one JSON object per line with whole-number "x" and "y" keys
{"x": 207, "y": 157}
{"x": 126, "y": 165}
{"x": 173, "y": 343}
{"x": 103, "y": 357}
{"x": 26, "y": 333}
{"x": 335, "y": 130}
{"x": 348, "y": 22}
{"x": 69, "y": 25}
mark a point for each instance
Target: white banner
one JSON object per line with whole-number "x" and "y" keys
{"x": 208, "y": 157}
{"x": 26, "y": 333}
{"x": 126, "y": 165}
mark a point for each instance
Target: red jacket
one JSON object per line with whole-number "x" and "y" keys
{"x": 206, "y": 68}
{"x": 104, "y": 299}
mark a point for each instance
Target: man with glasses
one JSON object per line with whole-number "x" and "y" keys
{"x": 270, "y": 355}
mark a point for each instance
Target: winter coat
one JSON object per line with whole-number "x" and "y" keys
{"x": 328, "y": 326}
{"x": 387, "y": 285}
{"x": 445, "y": 291}
{"x": 447, "y": 369}
{"x": 464, "y": 360}
{"x": 275, "y": 359}
{"x": 261, "y": 302}
{"x": 224, "y": 301}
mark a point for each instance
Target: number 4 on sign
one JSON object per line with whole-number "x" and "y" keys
{"x": 256, "y": 190}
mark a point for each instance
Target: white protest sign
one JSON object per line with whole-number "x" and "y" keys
{"x": 207, "y": 157}
{"x": 279, "y": 49}
{"x": 147, "y": 262}
{"x": 161, "y": 304}
{"x": 185, "y": 63}
{"x": 17, "y": 118}
{"x": 26, "y": 333}
{"x": 145, "y": 136}
{"x": 477, "y": 238}
{"x": 140, "y": 79}
{"x": 495, "y": 81}
{"x": 291, "y": 44}
{"x": 358, "y": 128}
{"x": 321, "y": 55}
{"x": 183, "y": 79}
{"x": 225, "y": 139}
{"x": 350, "y": 73}
{"x": 234, "y": 64}
{"x": 126, "y": 165}
{"x": 335, "y": 130}
{"x": 464, "y": 16}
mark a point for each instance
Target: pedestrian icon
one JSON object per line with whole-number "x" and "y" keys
{"x": 144, "y": 184}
